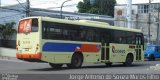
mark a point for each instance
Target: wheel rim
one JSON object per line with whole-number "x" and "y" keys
{"x": 77, "y": 61}
{"x": 129, "y": 60}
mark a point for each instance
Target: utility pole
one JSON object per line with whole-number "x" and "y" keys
{"x": 149, "y": 22}
{"x": 28, "y": 8}
{"x": 0, "y": 3}
{"x": 129, "y": 13}
{"x": 158, "y": 25}
{"x": 62, "y": 7}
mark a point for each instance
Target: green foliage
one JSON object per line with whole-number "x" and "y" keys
{"x": 6, "y": 30}
{"x": 102, "y": 7}
{"x": 84, "y": 6}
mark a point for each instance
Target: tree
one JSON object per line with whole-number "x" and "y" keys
{"x": 102, "y": 7}
{"x": 7, "y": 30}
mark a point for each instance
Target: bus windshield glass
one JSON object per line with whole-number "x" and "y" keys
{"x": 28, "y": 25}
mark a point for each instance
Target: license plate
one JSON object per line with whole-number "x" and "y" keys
{"x": 20, "y": 51}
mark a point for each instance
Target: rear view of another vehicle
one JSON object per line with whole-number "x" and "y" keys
{"x": 152, "y": 52}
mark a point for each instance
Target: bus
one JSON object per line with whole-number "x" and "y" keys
{"x": 74, "y": 42}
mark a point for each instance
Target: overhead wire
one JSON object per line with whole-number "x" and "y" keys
{"x": 5, "y": 18}
{"x": 60, "y": 6}
{"x": 40, "y": 3}
{"x": 11, "y": 9}
{"x": 31, "y": 5}
{"x": 21, "y": 4}
{"x": 15, "y": 9}
{"x": 23, "y": 11}
{"x": 1, "y": 18}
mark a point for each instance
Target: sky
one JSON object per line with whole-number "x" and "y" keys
{"x": 53, "y": 4}
{"x": 137, "y": 1}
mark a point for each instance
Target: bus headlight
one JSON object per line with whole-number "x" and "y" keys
{"x": 18, "y": 42}
{"x": 17, "y": 47}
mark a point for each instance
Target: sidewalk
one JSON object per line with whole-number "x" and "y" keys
{"x": 7, "y": 52}
{"x": 8, "y": 58}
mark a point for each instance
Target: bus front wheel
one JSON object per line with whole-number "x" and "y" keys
{"x": 56, "y": 66}
{"x": 76, "y": 62}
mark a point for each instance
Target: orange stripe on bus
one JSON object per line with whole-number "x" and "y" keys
{"x": 29, "y": 56}
{"x": 89, "y": 48}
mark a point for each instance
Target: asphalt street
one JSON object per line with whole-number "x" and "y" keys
{"x": 14, "y": 66}
{"x": 22, "y": 67}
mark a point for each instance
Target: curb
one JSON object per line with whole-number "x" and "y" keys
{"x": 7, "y": 58}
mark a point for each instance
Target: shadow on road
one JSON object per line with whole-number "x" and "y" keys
{"x": 89, "y": 67}
{"x": 49, "y": 69}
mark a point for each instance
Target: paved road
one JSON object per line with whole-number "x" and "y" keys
{"x": 17, "y": 66}
{"x": 13, "y": 66}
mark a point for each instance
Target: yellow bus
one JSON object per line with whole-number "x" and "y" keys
{"x": 74, "y": 42}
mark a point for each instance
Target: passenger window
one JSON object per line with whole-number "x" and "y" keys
{"x": 35, "y": 25}
{"x": 90, "y": 35}
{"x": 83, "y": 35}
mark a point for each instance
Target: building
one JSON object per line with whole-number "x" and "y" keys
{"x": 141, "y": 19}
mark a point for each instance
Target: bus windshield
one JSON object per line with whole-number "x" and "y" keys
{"x": 28, "y": 25}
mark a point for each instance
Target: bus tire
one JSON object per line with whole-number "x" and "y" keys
{"x": 151, "y": 57}
{"x": 108, "y": 64}
{"x": 56, "y": 66}
{"x": 129, "y": 60}
{"x": 76, "y": 61}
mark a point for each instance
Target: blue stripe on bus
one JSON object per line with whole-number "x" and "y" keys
{"x": 59, "y": 47}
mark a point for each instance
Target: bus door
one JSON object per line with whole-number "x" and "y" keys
{"x": 105, "y": 51}
{"x": 105, "y": 46}
{"x": 138, "y": 47}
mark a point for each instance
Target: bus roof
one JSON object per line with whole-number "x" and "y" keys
{"x": 86, "y": 23}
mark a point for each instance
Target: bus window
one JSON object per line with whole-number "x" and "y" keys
{"x": 25, "y": 26}
{"x": 34, "y": 25}
{"x": 89, "y": 35}
{"x": 82, "y": 35}
{"x": 28, "y": 25}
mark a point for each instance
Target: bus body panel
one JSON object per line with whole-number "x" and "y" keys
{"x": 56, "y": 57}
{"x": 120, "y": 51}
{"x": 142, "y": 55}
{"x": 61, "y": 51}
{"x": 27, "y": 46}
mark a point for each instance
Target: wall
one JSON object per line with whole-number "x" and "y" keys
{"x": 139, "y": 21}
{"x": 7, "y": 52}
